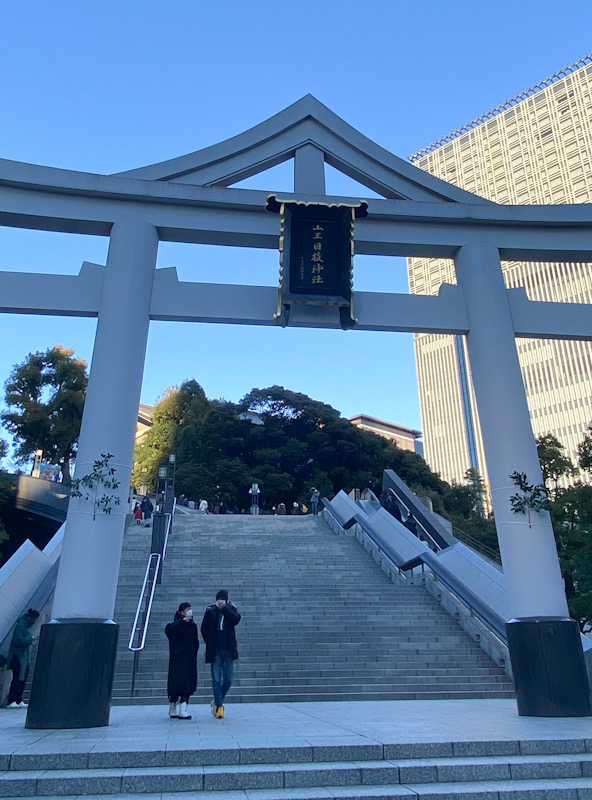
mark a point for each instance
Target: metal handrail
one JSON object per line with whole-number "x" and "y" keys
{"x": 436, "y": 544}
{"x": 152, "y": 570}
{"x": 422, "y": 518}
{"x": 154, "y": 560}
{"x": 440, "y": 537}
{"x": 476, "y": 544}
{"x": 169, "y": 523}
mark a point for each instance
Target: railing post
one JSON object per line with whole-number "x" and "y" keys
{"x": 159, "y": 523}
{"x": 135, "y": 670}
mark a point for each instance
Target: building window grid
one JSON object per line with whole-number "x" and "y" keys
{"x": 571, "y": 282}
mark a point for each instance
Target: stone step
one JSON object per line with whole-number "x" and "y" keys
{"x": 560, "y": 789}
{"x": 324, "y": 684}
{"x": 325, "y": 696}
{"x": 421, "y": 776}
{"x": 112, "y": 752}
{"x": 352, "y": 686}
{"x": 299, "y": 673}
{"x": 309, "y": 602}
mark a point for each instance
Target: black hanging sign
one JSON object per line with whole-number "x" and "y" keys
{"x": 316, "y": 255}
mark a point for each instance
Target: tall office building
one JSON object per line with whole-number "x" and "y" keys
{"x": 535, "y": 148}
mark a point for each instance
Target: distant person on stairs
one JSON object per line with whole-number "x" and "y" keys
{"x": 147, "y": 509}
{"x": 183, "y": 647}
{"x": 314, "y": 501}
{"x": 217, "y": 629}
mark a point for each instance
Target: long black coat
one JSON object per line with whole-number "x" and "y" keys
{"x": 183, "y": 647}
{"x": 209, "y": 628}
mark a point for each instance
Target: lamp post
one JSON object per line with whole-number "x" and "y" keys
{"x": 37, "y": 463}
{"x": 169, "y": 491}
{"x": 255, "y": 491}
{"x": 159, "y": 521}
{"x": 161, "y": 483}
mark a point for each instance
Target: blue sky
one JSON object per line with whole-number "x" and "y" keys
{"x": 104, "y": 87}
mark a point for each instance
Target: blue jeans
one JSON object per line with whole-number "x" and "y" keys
{"x": 222, "y": 675}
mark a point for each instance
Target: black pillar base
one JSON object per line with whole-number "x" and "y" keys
{"x": 548, "y": 666}
{"x": 73, "y": 678}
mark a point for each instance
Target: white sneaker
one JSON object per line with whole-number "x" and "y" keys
{"x": 173, "y": 711}
{"x": 13, "y": 705}
{"x": 22, "y": 704}
{"x": 182, "y": 712}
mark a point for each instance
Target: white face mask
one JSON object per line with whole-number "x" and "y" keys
{"x": 189, "y": 612}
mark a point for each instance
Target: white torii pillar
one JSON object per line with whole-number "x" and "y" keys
{"x": 73, "y": 678}
{"x": 544, "y": 643}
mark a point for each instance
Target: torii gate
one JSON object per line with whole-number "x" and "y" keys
{"x": 188, "y": 199}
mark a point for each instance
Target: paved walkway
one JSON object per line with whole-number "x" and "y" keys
{"x": 147, "y": 729}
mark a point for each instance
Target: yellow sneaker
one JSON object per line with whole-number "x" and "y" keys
{"x": 220, "y": 712}
{"x": 214, "y": 709}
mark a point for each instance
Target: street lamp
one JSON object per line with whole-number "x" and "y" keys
{"x": 162, "y": 476}
{"x": 169, "y": 490}
{"x": 255, "y": 491}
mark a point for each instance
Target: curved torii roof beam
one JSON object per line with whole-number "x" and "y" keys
{"x": 306, "y": 122}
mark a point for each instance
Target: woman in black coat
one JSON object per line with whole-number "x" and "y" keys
{"x": 183, "y": 647}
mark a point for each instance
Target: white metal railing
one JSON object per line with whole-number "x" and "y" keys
{"x": 152, "y": 567}
{"x": 139, "y": 630}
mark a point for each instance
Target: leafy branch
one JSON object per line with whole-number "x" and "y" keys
{"x": 533, "y": 497}
{"x": 101, "y": 477}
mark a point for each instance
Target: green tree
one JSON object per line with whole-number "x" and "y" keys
{"x": 45, "y": 399}
{"x": 585, "y": 451}
{"x": 464, "y": 508}
{"x": 313, "y": 443}
{"x": 7, "y": 492}
{"x": 571, "y": 513}
{"x": 283, "y": 440}
{"x": 180, "y": 407}
{"x": 554, "y": 463}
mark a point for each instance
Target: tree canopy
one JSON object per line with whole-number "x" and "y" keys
{"x": 45, "y": 399}
{"x": 7, "y": 490}
{"x": 554, "y": 463}
{"x": 283, "y": 440}
{"x": 570, "y": 507}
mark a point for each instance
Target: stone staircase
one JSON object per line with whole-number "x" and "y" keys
{"x": 321, "y": 621}
{"x": 491, "y": 770}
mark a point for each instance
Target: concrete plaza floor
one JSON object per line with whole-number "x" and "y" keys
{"x": 328, "y": 726}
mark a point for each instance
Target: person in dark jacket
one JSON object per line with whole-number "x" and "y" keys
{"x": 183, "y": 647}
{"x": 217, "y": 629}
{"x": 147, "y": 509}
{"x": 18, "y": 657}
